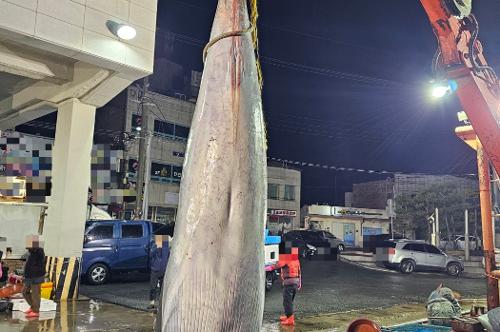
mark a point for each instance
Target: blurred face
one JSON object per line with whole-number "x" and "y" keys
{"x": 159, "y": 241}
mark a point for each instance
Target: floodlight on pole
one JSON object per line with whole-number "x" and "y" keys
{"x": 440, "y": 91}
{"x": 443, "y": 88}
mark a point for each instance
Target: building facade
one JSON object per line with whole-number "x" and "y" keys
{"x": 169, "y": 123}
{"x": 375, "y": 194}
{"x": 68, "y": 56}
{"x": 115, "y": 163}
{"x": 350, "y": 224}
{"x": 283, "y": 198}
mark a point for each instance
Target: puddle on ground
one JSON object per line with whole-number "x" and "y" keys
{"x": 338, "y": 322}
{"x": 90, "y": 316}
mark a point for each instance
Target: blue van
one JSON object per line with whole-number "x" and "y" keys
{"x": 117, "y": 246}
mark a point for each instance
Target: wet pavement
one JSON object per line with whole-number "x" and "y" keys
{"x": 80, "y": 316}
{"x": 333, "y": 294}
{"x": 328, "y": 287}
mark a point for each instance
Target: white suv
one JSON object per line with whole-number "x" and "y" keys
{"x": 409, "y": 256}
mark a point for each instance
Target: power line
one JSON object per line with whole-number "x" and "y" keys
{"x": 351, "y": 169}
{"x": 374, "y": 81}
{"x": 299, "y": 33}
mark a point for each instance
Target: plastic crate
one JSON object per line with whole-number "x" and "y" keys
{"x": 417, "y": 328}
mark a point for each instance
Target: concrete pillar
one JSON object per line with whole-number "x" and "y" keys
{"x": 65, "y": 223}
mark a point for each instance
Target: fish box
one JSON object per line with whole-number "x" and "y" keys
{"x": 417, "y": 328}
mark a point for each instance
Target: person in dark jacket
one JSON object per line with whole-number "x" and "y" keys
{"x": 34, "y": 275}
{"x": 158, "y": 260}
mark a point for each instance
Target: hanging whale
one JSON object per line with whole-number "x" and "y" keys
{"x": 215, "y": 276}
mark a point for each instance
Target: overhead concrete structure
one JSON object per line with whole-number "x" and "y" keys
{"x": 53, "y": 50}
{"x": 61, "y": 55}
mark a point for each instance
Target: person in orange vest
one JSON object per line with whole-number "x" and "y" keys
{"x": 292, "y": 282}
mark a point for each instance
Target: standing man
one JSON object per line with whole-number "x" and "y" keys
{"x": 292, "y": 282}
{"x": 34, "y": 275}
{"x": 158, "y": 260}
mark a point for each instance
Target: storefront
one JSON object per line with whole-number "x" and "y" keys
{"x": 280, "y": 221}
{"x": 347, "y": 223}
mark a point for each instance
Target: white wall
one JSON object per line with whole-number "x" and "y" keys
{"x": 77, "y": 29}
{"x": 16, "y": 222}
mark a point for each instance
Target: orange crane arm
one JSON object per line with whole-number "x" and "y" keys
{"x": 461, "y": 60}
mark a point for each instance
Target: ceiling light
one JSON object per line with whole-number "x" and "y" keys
{"x": 122, "y": 31}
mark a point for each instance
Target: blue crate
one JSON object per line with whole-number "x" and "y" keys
{"x": 271, "y": 239}
{"x": 417, "y": 328}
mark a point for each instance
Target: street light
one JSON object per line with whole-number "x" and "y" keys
{"x": 122, "y": 31}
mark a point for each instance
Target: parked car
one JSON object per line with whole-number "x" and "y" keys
{"x": 309, "y": 241}
{"x": 458, "y": 243}
{"x": 334, "y": 241}
{"x": 372, "y": 242}
{"x": 117, "y": 246}
{"x": 410, "y": 256}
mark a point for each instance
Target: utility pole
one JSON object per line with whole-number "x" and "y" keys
{"x": 147, "y": 178}
{"x": 467, "y": 242}
{"x": 142, "y": 166}
{"x": 437, "y": 235}
{"x": 391, "y": 216}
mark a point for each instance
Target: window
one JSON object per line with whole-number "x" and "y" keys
{"x": 166, "y": 173}
{"x": 181, "y": 132}
{"x": 162, "y": 229}
{"x": 388, "y": 244}
{"x": 101, "y": 232}
{"x": 311, "y": 236}
{"x": 289, "y": 193}
{"x": 160, "y": 172}
{"x": 329, "y": 235}
{"x": 176, "y": 173}
{"x": 291, "y": 236}
{"x": 415, "y": 247}
{"x": 132, "y": 231}
{"x": 165, "y": 128}
{"x": 165, "y": 215}
{"x": 432, "y": 250}
{"x": 171, "y": 130}
{"x": 272, "y": 191}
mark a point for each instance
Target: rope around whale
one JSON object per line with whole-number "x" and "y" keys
{"x": 254, "y": 15}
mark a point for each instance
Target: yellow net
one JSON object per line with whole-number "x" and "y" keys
{"x": 254, "y": 15}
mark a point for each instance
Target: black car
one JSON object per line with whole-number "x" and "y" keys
{"x": 301, "y": 238}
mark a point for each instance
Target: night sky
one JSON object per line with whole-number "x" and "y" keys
{"x": 346, "y": 84}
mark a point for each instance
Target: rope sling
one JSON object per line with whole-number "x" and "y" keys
{"x": 253, "y": 15}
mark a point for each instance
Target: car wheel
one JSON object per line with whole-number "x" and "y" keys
{"x": 453, "y": 269}
{"x": 340, "y": 248}
{"x": 98, "y": 274}
{"x": 407, "y": 266}
{"x": 269, "y": 281}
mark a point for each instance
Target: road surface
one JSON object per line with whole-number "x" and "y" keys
{"x": 328, "y": 287}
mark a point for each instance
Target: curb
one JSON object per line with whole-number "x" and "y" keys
{"x": 380, "y": 269}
